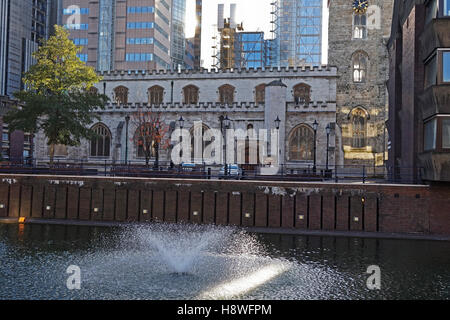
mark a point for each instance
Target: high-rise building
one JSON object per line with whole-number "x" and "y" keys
{"x": 24, "y": 23}
{"x": 178, "y": 40}
{"x": 250, "y": 50}
{"x": 198, "y": 35}
{"x": 120, "y": 35}
{"x": 298, "y": 32}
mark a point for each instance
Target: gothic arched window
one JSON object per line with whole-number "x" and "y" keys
{"x": 301, "y": 143}
{"x": 190, "y": 94}
{"x": 302, "y": 93}
{"x": 226, "y": 94}
{"x": 260, "y": 93}
{"x": 101, "y": 143}
{"x": 359, "y": 127}
{"x": 359, "y": 62}
{"x": 155, "y": 95}
{"x": 121, "y": 95}
{"x": 359, "y": 26}
{"x": 196, "y": 131}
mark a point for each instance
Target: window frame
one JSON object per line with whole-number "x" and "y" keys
{"x": 359, "y": 54}
{"x": 293, "y": 135}
{"x": 106, "y": 135}
{"x": 363, "y": 27}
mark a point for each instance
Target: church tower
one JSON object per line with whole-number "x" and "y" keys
{"x": 358, "y": 34}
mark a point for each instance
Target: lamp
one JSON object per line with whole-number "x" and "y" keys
{"x": 277, "y": 123}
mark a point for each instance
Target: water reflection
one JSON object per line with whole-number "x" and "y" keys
{"x": 195, "y": 262}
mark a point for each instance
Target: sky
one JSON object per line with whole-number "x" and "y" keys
{"x": 255, "y": 14}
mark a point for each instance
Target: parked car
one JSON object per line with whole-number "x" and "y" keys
{"x": 233, "y": 170}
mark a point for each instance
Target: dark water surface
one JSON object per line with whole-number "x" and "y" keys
{"x": 204, "y": 262}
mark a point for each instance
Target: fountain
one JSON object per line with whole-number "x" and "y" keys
{"x": 186, "y": 261}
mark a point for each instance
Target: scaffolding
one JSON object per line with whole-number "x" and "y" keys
{"x": 224, "y": 46}
{"x": 297, "y": 29}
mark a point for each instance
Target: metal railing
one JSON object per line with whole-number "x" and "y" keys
{"x": 165, "y": 169}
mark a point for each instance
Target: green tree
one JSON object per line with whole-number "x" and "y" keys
{"x": 59, "y": 99}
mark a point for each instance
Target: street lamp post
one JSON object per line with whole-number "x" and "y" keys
{"x": 277, "y": 126}
{"x": 328, "y": 142}
{"x": 127, "y": 120}
{"x": 157, "y": 145}
{"x": 315, "y": 126}
{"x": 226, "y": 126}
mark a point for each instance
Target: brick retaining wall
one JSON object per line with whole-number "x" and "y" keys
{"x": 308, "y": 206}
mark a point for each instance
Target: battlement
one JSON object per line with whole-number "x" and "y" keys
{"x": 271, "y": 72}
{"x": 216, "y": 107}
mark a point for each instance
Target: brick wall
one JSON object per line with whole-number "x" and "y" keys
{"x": 307, "y": 206}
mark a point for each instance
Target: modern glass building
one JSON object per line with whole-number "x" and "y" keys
{"x": 178, "y": 41}
{"x": 250, "y": 50}
{"x": 298, "y": 32}
{"x": 23, "y": 24}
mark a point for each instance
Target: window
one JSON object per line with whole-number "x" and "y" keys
{"x": 140, "y": 10}
{"x": 100, "y": 144}
{"x": 140, "y": 25}
{"x": 155, "y": 95}
{"x": 302, "y": 93}
{"x": 226, "y": 94}
{"x": 260, "y": 94}
{"x": 198, "y": 131}
{"x": 121, "y": 95}
{"x": 446, "y": 133}
{"x": 82, "y": 56}
{"x": 429, "y": 130}
{"x": 77, "y": 26}
{"x": 446, "y": 7}
{"x": 80, "y": 41}
{"x": 359, "y": 128}
{"x": 139, "y": 57}
{"x": 75, "y": 11}
{"x": 190, "y": 94}
{"x": 139, "y": 41}
{"x": 446, "y": 66}
{"x": 359, "y": 67}
{"x": 359, "y": 26}
{"x": 301, "y": 144}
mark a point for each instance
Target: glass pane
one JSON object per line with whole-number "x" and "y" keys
{"x": 447, "y": 7}
{"x": 446, "y": 66}
{"x": 430, "y": 135}
{"x": 446, "y": 133}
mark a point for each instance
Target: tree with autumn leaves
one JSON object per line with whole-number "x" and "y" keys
{"x": 58, "y": 99}
{"x": 151, "y": 134}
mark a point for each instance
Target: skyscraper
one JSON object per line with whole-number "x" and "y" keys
{"x": 198, "y": 35}
{"x": 250, "y": 50}
{"x": 298, "y": 32}
{"x": 178, "y": 41}
{"x": 23, "y": 25}
{"x": 120, "y": 35}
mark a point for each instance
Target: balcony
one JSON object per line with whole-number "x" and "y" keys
{"x": 435, "y": 35}
{"x": 436, "y": 166}
{"x": 435, "y": 100}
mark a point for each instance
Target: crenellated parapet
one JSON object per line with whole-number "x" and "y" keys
{"x": 182, "y": 107}
{"x": 312, "y": 106}
{"x": 272, "y": 71}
